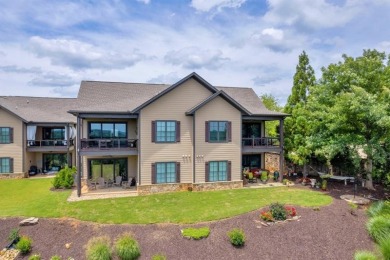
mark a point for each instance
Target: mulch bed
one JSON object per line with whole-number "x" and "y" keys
{"x": 330, "y": 233}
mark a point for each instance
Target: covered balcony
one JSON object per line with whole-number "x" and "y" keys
{"x": 50, "y": 138}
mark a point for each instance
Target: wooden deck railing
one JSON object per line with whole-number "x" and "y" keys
{"x": 260, "y": 142}
{"x": 114, "y": 143}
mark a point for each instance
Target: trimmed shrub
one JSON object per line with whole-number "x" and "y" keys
{"x": 55, "y": 257}
{"x": 379, "y": 227}
{"x": 384, "y": 247}
{"x": 278, "y": 211}
{"x": 127, "y": 247}
{"x": 365, "y": 255}
{"x": 35, "y": 257}
{"x": 237, "y": 237}
{"x": 159, "y": 257}
{"x": 24, "y": 245}
{"x": 196, "y": 233}
{"x": 98, "y": 248}
{"x": 64, "y": 178}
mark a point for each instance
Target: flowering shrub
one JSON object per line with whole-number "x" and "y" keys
{"x": 291, "y": 211}
{"x": 266, "y": 216}
{"x": 278, "y": 212}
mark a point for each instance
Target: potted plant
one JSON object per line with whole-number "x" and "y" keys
{"x": 264, "y": 176}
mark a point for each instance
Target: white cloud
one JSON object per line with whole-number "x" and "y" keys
{"x": 274, "y": 33}
{"x": 53, "y": 79}
{"x": 168, "y": 78}
{"x": 144, "y": 1}
{"x": 80, "y": 55}
{"x": 207, "y": 5}
{"x": 196, "y": 58}
{"x": 312, "y": 13}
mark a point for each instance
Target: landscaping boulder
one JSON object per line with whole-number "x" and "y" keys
{"x": 29, "y": 222}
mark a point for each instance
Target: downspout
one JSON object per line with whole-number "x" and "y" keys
{"x": 139, "y": 149}
{"x": 67, "y": 146}
{"x": 24, "y": 139}
{"x": 193, "y": 149}
{"x": 78, "y": 142}
{"x": 281, "y": 156}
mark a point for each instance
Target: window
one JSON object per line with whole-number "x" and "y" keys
{"x": 108, "y": 168}
{"x": 165, "y": 131}
{"x": 218, "y": 171}
{"x": 107, "y": 130}
{"x": 54, "y": 133}
{"x": 6, "y": 165}
{"x": 6, "y": 135}
{"x": 165, "y": 172}
{"x": 218, "y": 131}
{"x": 54, "y": 161}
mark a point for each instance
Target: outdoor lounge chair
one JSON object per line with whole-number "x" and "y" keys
{"x": 118, "y": 181}
{"x": 102, "y": 183}
{"x": 251, "y": 178}
{"x": 91, "y": 185}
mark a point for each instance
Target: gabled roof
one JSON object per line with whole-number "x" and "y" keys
{"x": 39, "y": 109}
{"x": 130, "y": 98}
{"x": 219, "y": 93}
{"x": 193, "y": 75}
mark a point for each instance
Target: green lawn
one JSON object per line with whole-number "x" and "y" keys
{"x": 32, "y": 197}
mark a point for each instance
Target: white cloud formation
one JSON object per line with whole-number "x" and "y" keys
{"x": 53, "y": 79}
{"x": 277, "y": 34}
{"x": 196, "y": 58}
{"x": 312, "y": 13}
{"x": 207, "y": 5}
{"x": 168, "y": 78}
{"x": 80, "y": 55}
{"x": 144, "y": 1}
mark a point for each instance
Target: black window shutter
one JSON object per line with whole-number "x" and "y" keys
{"x": 11, "y": 165}
{"x": 207, "y": 172}
{"x": 177, "y": 131}
{"x": 154, "y": 173}
{"x": 11, "y": 135}
{"x": 207, "y": 131}
{"x": 153, "y": 131}
{"x": 229, "y": 170}
{"x": 178, "y": 172}
{"x": 229, "y": 131}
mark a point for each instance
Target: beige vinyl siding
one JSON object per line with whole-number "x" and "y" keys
{"x": 171, "y": 106}
{"x": 15, "y": 149}
{"x": 217, "y": 110}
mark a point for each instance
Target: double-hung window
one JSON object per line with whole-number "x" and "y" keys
{"x": 165, "y": 131}
{"x": 6, "y": 165}
{"x": 165, "y": 172}
{"x": 218, "y": 131}
{"x": 218, "y": 171}
{"x": 6, "y": 135}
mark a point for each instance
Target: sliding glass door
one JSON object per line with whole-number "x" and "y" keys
{"x": 107, "y": 168}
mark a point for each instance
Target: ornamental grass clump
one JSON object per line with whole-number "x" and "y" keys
{"x": 56, "y": 257}
{"x": 365, "y": 255}
{"x": 237, "y": 237}
{"x": 127, "y": 248}
{"x": 35, "y": 257}
{"x": 379, "y": 208}
{"x": 379, "y": 227}
{"x": 384, "y": 247}
{"x": 98, "y": 248}
{"x": 159, "y": 257}
{"x": 24, "y": 244}
{"x": 196, "y": 233}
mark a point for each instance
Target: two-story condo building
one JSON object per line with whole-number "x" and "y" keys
{"x": 166, "y": 137}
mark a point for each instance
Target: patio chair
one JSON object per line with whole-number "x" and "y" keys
{"x": 118, "y": 181}
{"x": 102, "y": 183}
{"x": 91, "y": 185}
{"x": 251, "y": 178}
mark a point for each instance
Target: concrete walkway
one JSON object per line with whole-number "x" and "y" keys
{"x": 259, "y": 185}
{"x": 103, "y": 194}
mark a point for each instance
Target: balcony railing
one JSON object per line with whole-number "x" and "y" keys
{"x": 117, "y": 143}
{"x": 260, "y": 142}
{"x": 46, "y": 143}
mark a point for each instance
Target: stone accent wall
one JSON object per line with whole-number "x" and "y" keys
{"x": 272, "y": 162}
{"x": 13, "y": 176}
{"x": 172, "y": 187}
{"x": 225, "y": 185}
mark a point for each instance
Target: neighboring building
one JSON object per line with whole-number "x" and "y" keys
{"x": 189, "y": 134}
{"x": 35, "y": 132}
{"x": 167, "y": 137}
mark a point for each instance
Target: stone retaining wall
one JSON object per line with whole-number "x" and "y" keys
{"x": 12, "y": 176}
{"x": 172, "y": 187}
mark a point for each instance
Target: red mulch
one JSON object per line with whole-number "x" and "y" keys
{"x": 330, "y": 233}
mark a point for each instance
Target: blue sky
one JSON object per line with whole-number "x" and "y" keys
{"x": 48, "y": 47}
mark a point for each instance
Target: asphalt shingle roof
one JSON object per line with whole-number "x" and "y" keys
{"x": 40, "y": 109}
